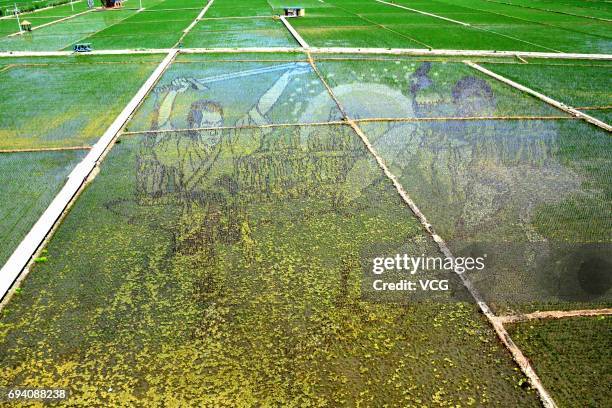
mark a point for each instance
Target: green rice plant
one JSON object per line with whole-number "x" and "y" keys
{"x": 524, "y": 192}
{"x": 66, "y": 105}
{"x": 495, "y": 26}
{"x": 243, "y": 268}
{"x": 61, "y": 35}
{"x": 581, "y": 8}
{"x": 366, "y": 36}
{"x": 137, "y": 36}
{"x": 7, "y": 7}
{"x": 205, "y": 94}
{"x": 273, "y": 35}
{"x": 177, "y": 4}
{"x": 571, "y": 357}
{"x": 555, "y": 38}
{"x": 240, "y": 57}
{"x": 604, "y": 115}
{"x": 218, "y": 10}
{"x": 137, "y": 32}
{"x": 412, "y": 88}
{"x": 152, "y": 15}
{"x": 10, "y": 26}
{"x": 28, "y": 183}
{"x": 579, "y": 86}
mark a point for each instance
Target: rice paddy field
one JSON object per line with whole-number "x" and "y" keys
{"x": 191, "y": 213}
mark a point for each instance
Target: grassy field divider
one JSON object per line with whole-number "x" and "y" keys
{"x": 456, "y": 53}
{"x": 199, "y": 17}
{"x": 52, "y": 22}
{"x": 338, "y": 122}
{"x": 417, "y": 52}
{"x": 554, "y": 314}
{"x": 550, "y": 101}
{"x": 9, "y": 66}
{"x": 605, "y": 107}
{"x": 202, "y": 129}
{"x": 45, "y": 149}
{"x": 462, "y": 119}
{"x": 82, "y": 174}
{"x": 522, "y": 60}
{"x": 294, "y": 33}
{"x": 502, "y": 333}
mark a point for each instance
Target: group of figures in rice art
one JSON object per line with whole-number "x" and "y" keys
{"x": 472, "y": 177}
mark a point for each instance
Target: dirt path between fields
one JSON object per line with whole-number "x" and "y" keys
{"x": 554, "y": 314}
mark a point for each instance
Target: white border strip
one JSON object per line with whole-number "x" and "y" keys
{"x": 405, "y": 51}
{"x": 294, "y": 33}
{"x": 28, "y": 246}
{"x": 542, "y": 97}
{"x": 325, "y": 50}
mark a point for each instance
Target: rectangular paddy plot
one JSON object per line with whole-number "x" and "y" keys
{"x": 66, "y": 101}
{"x": 363, "y": 24}
{"x": 7, "y": 7}
{"x": 239, "y": 32}
{"x": 230, "y": 8}
{"x": 177, "y": 5}
{"x": 516, "y": 28}
{"x": 198, "y": 93}
{"x": 9, "y": 25}
{"x": 584, "y": 86}
{"x": 596, "y": 9}
{"x": 152, "y": 29}
{"x": 571, "y": 356}
{"x": 475, "y": 24}
{"x": 28, "y": 183}
{"x": 534, "y": 196}
{"x": 413, "y": 88}
{"x": 63, "y": 34}
{"x": 160, "y": 25}
{"x": 232, "y": 257}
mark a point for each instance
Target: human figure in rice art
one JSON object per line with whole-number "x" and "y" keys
{"x": 468, "y": 171}
{"x": 479, "y": 181}
{"x": 476, "y": 180}
{"x": 206, "y": 172}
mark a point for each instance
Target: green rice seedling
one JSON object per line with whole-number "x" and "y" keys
{"x": 250, "y": 256}
{"x": 569, "y": 356}
{"x": 28, "y": 183}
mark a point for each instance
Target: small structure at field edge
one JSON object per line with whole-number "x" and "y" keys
{"x": 294, "y": 12}
{"x": 111, "y": 3}
{"x": 82, "y": 47}
{"x": 26, "y": 25}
